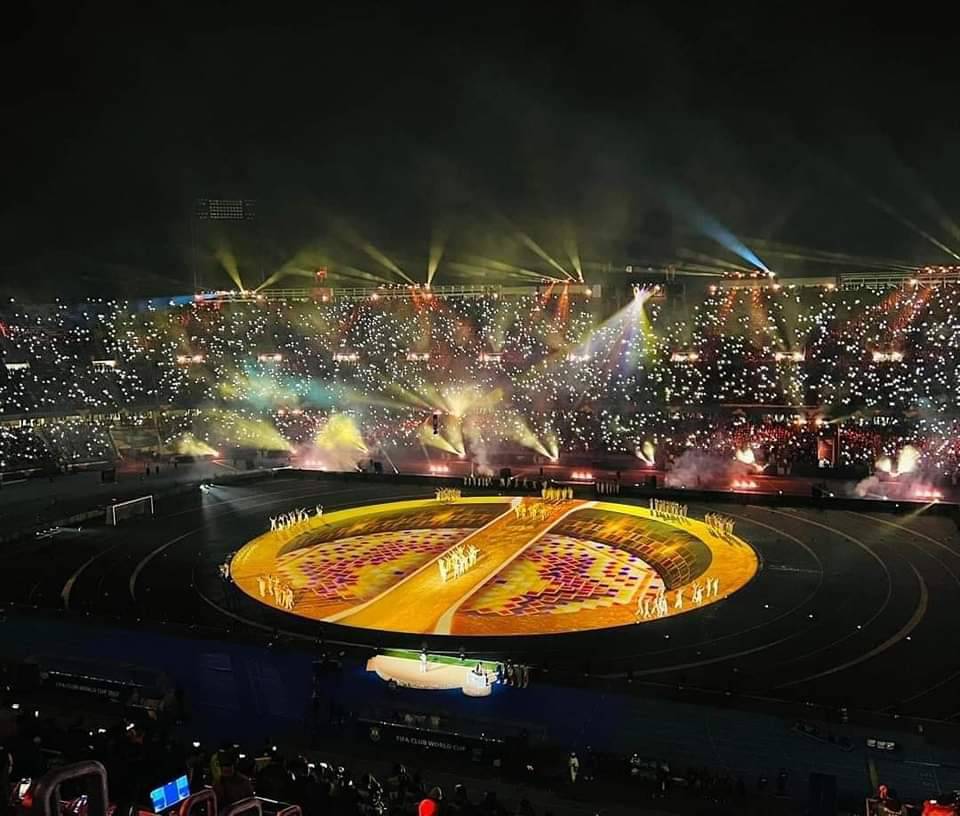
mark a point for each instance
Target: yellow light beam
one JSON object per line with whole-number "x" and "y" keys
{"x": 408, "y": 397}
{"x": 483, "y": 266}
{"x": 436, "y": 253}
{"x": 229, "y": 263}
{"x": 351, "y": 236}
{"x": 429, "y": 438}
{"x": 382, "y": 259}
{"x": 340, "y": 433}
{"x": 534, "y": 247}
{"x": 280, "y": 273}
{"x": 573, "y": 252}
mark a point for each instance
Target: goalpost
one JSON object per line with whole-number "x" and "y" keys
{"x": 142, "y": 506}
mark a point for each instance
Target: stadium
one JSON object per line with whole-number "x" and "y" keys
{"x": 559, "y": 483}
{"x": 442, "y": 412}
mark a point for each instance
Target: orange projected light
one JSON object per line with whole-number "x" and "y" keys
{"x": 492, "y": 566}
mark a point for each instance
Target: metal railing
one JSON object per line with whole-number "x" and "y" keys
{"x": 46, "y": 799}
{"x": 244, "y": 806}
{"x": 326, "y": 293}
{"x": 885, "y": 279}
{"x": 205, "y": 797}
{"x": 46, "y": 791}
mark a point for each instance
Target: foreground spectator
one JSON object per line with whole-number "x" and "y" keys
{"x": 232, "y": 785}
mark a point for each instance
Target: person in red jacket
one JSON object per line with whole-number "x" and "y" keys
{"x": 431, "y": 805}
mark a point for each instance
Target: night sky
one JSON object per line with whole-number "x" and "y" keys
{"x": 821, "y": 128}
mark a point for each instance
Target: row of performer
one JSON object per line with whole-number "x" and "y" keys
{"x": 659, "y": 605}
{"x": 719, "y": 525}
{"x": 530, "y": 512}
{"x": 557, "y": 494}
{"x": 286, "y": 521}
{"x": 274, "y": 587}
{"x": 448, "y": 494}
{"x": 668, "y": 509}
{"x": 456, "y": 562}
{"x": 478, "y": 481}
{"x": 511, "y": 674}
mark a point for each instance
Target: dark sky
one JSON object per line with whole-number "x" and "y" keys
{"x": 824, "y": 127}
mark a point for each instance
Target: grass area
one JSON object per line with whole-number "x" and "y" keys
{"x": 410, "y": 654}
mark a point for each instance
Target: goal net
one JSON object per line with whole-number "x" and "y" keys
{"x": 142, "y": 506}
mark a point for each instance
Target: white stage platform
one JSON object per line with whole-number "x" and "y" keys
{"x": 438, "y": 676}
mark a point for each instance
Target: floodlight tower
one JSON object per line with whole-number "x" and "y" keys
{"x": 217, "y": 209}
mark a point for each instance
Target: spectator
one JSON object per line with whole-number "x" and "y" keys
{"x": 274, "y": 780}
{"x": 430, "y": 806}
{"x": 233, "y": 786}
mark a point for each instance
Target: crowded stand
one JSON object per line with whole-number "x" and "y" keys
{"x": 154, "y": 760}
{"x": 152, "y": 742}
{"x": 784, "y": 381}
{"x": 152, "y": 745}
{"x": 776, "y": 369}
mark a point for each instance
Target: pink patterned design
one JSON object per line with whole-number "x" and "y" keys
{"x": 357, "y": 568}
{"x": 560, "y": 574}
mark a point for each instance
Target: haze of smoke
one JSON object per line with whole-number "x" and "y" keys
{"x": 904, "y": 475}
{"x": 337, "y": 445}
{"x": 189, "y": 445}
{"x": 476, "y": 446}
{"x": 696, "y": 467}
{"x": 906, "y": 486}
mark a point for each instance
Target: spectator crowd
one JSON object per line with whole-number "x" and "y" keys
{"x": 775, "y": 369}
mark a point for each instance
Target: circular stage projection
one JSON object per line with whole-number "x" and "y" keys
{"x": 493, "y": 566}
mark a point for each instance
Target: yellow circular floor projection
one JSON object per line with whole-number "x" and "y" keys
{"x": 492, "y": 566}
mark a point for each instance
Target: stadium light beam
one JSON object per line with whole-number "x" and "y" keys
{"x": 352, "y": 237}
{"x": 436, "y": 253}
{"x": 573, "y": 253}
{"x": 884, "y": 207}
{"x": 534, "y": 247}
{"x": 482, "y": 267}
{"x": 712, "y": 228}
{"x": 228, "y": 261}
